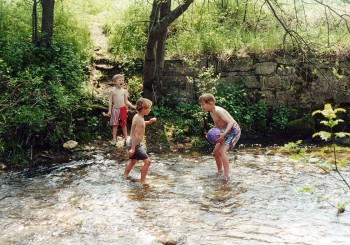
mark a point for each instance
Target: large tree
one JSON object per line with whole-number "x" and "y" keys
{"x": 160, "y": 19}
{"x": 47, "y": 23}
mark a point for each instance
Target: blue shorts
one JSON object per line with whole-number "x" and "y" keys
{"x": 232, "y": 137}
{"x": 140, "y": 153}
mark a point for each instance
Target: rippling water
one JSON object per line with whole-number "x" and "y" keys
{"x": 89, "y": 202}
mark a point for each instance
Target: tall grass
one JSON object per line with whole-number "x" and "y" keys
{"x": 127, "y": 31}
{"x": 231, "y": 26}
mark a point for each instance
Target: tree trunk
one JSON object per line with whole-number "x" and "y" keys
{"x": 35, "y": 38}
{"x": 47, "y": 21}
{"x": 161, "y": 17}
{"x": 160, "y": 49}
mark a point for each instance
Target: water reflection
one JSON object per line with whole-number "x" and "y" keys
{"x": 89, "y": 202}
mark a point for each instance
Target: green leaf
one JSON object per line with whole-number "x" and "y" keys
{"x": 342, "y": 134}
{"x": 323, "y": 135}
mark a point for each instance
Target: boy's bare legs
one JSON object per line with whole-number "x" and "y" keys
{"x": 221, "y": 159}
{"x": 217, "y": 156}
{"x": 125, "y": 132}
{"x": 114, "y": 132}
{"x": 144, "y": 170}
{"x": 129, "y": 167}
{"x": 225, "y": 160}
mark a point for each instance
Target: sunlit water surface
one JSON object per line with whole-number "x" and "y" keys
{"x": 89, "y": 202}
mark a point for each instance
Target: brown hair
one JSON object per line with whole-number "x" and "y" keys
{"x": 143, "y": 103}
{"x": 117, "y": 76}
{"x": 207, "y": 98}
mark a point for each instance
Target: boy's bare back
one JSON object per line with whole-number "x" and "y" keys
{"x": 221, "y": 117}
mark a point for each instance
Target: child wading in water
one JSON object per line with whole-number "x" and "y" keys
{"x": 138, "y": 126}
{"x": 118, "y": 107}
{"x": 229, "y": 136}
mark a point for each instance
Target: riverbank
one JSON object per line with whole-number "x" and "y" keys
{"x": 118, "y": 153}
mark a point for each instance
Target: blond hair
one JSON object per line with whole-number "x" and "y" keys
{"x": 143, "y": 103}
{"x": 207, "y": 98}
{"x": 117, "y": 76}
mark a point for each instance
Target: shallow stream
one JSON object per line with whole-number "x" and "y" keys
{"x": 89, "y": 202}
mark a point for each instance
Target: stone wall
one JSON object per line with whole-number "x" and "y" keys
{"x": 278, "y": 80}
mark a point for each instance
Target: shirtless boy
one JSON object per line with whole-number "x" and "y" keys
{"x": 118, "y": 107}
{"x": 229, "y": 136}
{"x": 138, "y": 126}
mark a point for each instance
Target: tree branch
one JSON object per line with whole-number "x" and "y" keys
{"x": 293, "y": 34}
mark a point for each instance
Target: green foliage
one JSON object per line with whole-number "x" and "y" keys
{"x": 293, "y": 148}
{"x": 307, "y": 189}
{"x": 72, "y": 31}
{"x": 280, "y": 116}
{"x": 343, "y": 205}
{"x": 41, "y": 95}
{"x": 37, "y": 103}
{"x": 127, "y": 32}
{"x": 330, "y": 114}
{"x": 182, "y": 122}
{"x": 134, "y": 86}
{"x": 199, "y": 142}
{"x": 206, "y": 80}
{"x": 225, "y": 27}
{"x": 244, "y": 107}
{"x": 186, "y": 119}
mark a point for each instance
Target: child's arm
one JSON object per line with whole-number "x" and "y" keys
{"x": 227, "y": 118}
{"x": 130, "y": 105}
{"x": 136, "y": 137}
{"x": 133, "y": 147}
{"x": 110, "y": 103}
{"x": 127, "y": 102}
{"x": 152, "y": 120}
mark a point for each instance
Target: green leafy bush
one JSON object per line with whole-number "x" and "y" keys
{"x": 181, "y": 122}
{"x": 280, "y": 116}
{"x": 245, "y": 108}
{"x": 128, "y": 32}
{"x": 294, "y": 148}
{"x": 41, "y": 91}
{"x": 135, "y": 87}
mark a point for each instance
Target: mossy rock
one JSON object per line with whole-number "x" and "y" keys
{"x": 301, "y": 127}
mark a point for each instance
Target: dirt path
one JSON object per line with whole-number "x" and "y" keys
{"x": 100, "y": 42}
{"x": 102, "y": 68}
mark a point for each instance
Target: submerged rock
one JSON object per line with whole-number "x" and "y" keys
{"x": 70, "y": 144}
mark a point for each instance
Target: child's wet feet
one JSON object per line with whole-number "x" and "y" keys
{"x": 219, "y": 173}
{"x": 224, "y": 178}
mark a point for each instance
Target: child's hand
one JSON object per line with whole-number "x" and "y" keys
{"x": 221, "y": 138}
{"x": 131, "y": 152}
{"x": 206, "y": 137}
{"x": 109, "y": 114}
{"x": 152, "y": 120}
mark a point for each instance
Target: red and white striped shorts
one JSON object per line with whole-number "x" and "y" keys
{"x": 119, "y": 116}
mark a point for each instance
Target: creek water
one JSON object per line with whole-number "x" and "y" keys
{"x": 89, "y": 202}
